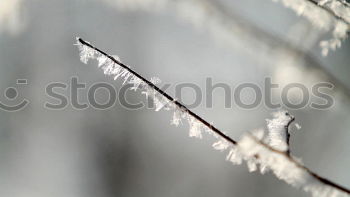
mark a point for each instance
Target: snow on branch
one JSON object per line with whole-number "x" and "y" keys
{"x": 328, "y": 15}
{"x": 286, "y": 168}
{"x": 258, "y": 151}
{"x": 278, "y": 131}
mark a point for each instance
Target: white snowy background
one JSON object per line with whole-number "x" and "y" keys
{"x": 117, "y": 152}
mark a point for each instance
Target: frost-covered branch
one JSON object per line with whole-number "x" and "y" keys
{"x": 252, "y": 148}
{"x": 327, "y": 15}
{"x": 287, "y": 168}
{"x": 230, "y": 29}
{"x": 113, "y": 66}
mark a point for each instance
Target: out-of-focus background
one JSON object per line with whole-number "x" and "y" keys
{"x": 120, "y": 152}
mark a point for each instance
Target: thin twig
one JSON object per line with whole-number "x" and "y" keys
{"x": 210, "y": 126}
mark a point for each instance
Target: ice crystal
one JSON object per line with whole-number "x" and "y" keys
{"x": 195, "y": 127}
{"x": 221, "y": 145}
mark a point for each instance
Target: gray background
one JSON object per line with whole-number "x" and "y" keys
{"x": 118, "y": 152}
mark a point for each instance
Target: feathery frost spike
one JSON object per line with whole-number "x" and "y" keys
{"x": 101, "y": 60}
{"x": 86, "y": 53}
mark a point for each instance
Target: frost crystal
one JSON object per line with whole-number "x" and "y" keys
{"x": 234, "y": 156}
{"x": 195, "y": 127}
{"x": 177, "y": 116}
{"x": 86, "y": 53}
{"x": 221, "y": 145}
